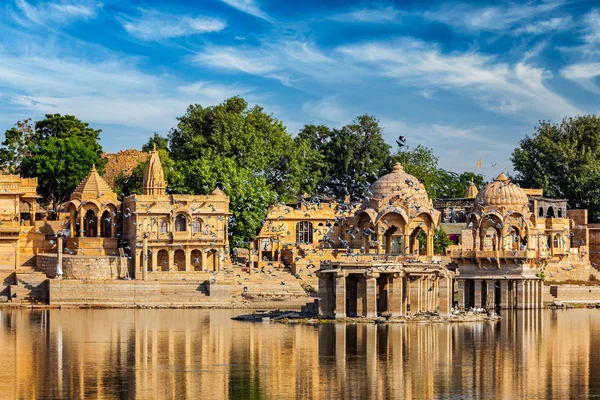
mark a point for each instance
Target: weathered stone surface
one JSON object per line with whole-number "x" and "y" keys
{"x": 122, "y": 162}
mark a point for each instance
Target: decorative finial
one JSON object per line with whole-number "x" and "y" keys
{"x": 398, "y": 167}
{"x": 94, "y": 168}
{"x": 154, "y": 146}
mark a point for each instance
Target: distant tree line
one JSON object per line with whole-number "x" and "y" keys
{"x": 243, "y": 150}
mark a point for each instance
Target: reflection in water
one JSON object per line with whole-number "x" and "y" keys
{"x": 203, "y": 354}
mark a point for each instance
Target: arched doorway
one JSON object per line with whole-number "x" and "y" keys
{"x": 106, "y": 224}
{"x": 90, "y": 223}
{"x": 163, "y": 260}
{"x": 179, "y": 260}
{"x": 196, "y": 260}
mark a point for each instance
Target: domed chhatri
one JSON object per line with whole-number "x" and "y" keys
{"x": 471, "y": 191}
{"x": 502, "y": 193}
{"x": 398, "y": 188}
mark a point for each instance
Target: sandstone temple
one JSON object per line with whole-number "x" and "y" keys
{"x": 377, "y": 256}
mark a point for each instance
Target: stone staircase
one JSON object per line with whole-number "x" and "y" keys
{"x": 273, "y": 283}
{"x": 29, "y": 287}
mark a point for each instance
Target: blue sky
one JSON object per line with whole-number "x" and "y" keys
{"x": 467, "y": 79}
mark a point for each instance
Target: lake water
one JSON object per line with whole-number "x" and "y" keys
{"x": 202, "y": 354}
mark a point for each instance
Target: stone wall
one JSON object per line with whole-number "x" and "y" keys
{"x": 82, "y": 267}
{"x": 574, "y": 293}
{"x": 138, "y": 294}
{"x": 122, "y": 162}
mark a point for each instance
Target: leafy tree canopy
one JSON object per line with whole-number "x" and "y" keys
{"x": 562, "y": 159}
{"x": 59, "y": 150}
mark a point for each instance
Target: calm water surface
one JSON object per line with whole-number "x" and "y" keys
{"x": 154, "y": 354}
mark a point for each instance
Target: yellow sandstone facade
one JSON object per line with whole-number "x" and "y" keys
{"x": 174, "y": 232}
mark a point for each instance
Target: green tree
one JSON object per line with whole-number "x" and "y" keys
{"x": 423, "y": 164}
{"x": 453, "y": 185}
{"x": 562, "y": 159}
{"x": 60, "y": 151}
{"x": 15, "y": 147}
{"x": 441, "y": 241}
{"x": 249, "y": 194}
{"x": 354, "y": 156}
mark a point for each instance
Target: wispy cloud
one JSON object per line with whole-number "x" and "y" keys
{"x": 62, "y": 12}
{"x": 549, "y": 25}
{"x": 110, "y": 92}
{"x": 472, "y": 18}
{"x": 498, "y": 86}
{"x": 584, "y": 74}
{"x": 157, "y": 25}
{"x": 328, "y": 109}
{"x": 249, "y": 7}
{"x": 285, "y": 61}
{"x": 369, "y": 15}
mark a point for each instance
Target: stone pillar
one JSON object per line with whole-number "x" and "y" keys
{"x": 203, "y": 260}
{"x": 361, "y": 296}
{"x": 145, "y": 257}
{"x": 325, "y": 295}
{"x": 81, "y": 227}
{"x": 415, "y": 291}
{"x": 250, "y": 257}
{"x": 506, "y": 301}
{"x": 72, "y": 224}
{"x": 171, "y": 253}
{"x": 520, "y": 294}
{"x": 380, "y": 244}
{"x": 541, "y": 294}
{"x": 478, "y": 294}
{"x": 154, "y": 255}
{"x": 32, "y": 213}
{"x": 259, "y": 250}
{"x": 491, "y": 294}
{"x": 396, "y": 295}
{"x": 59, "y": 256}
{"x": 340, "y": 295}
{"x": 445, "y": 294}
{"x": 370, "y": 305}
{"x": 113, "y": 227}
{"x": 430, "y": 244}
{"x": 461, "y": 294}
{"x": 188, "y": 259}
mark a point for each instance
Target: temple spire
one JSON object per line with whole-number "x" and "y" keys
{"x": 154, "y": 176}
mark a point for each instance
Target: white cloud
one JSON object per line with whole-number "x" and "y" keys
{"x": 62, "y": 12}
{"x": 377, "y": 15}
{"x": 248, "y": 7}
{"x": 584, "y": 74}
{"x": 111, "y": 92}
{"x": 497, "y": 86}
{"x": 276, "y": 60}
{"x": 592, "y": 27}
{"x": 157, "y": 25}
{"x": 492, "y": 18}
{"x": 549, "y": 25}
{"x": 327, "y": 109}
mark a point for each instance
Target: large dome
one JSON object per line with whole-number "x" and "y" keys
{"x": 502, "y": 193}
{"x": 399, "y": 187}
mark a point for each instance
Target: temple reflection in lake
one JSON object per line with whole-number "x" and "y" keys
{"x": 203, "y": 354}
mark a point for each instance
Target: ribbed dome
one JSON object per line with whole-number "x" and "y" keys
{"x": 471, "y": 191}
{"x": 502, "y": 192}
{"x": 399, "y": 186}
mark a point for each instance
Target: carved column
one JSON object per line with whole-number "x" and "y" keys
{"x": 396, "y": 295}
{"x": 154, "y": 255}
{"x": 325, "y": 295}
{"x": 445, "y": 294}
{"x": 461, "y": 294}
{"x": 203, "y": 259}
{"x": 113, "y": 225}
{"x": 478, "y": 294}
{"x": 370, "y": 305}
{"x": 361, "y": 296}
{"x": 81, "y": 226}
{"x": 171, "y": 253}
{"x": 520, "y": 294}
{"x": 145, "y": 257}
{"x": 505, "y": 297}
{"x": 415, "y": 294}
{"x": 541, "y": 294}
{"x": 340, "y": 294}
{"x": 188, "y": 259}
{"x": 430, "y": 244}
{"x": 491, "y": 294}
{"x": 59, "y": 257}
